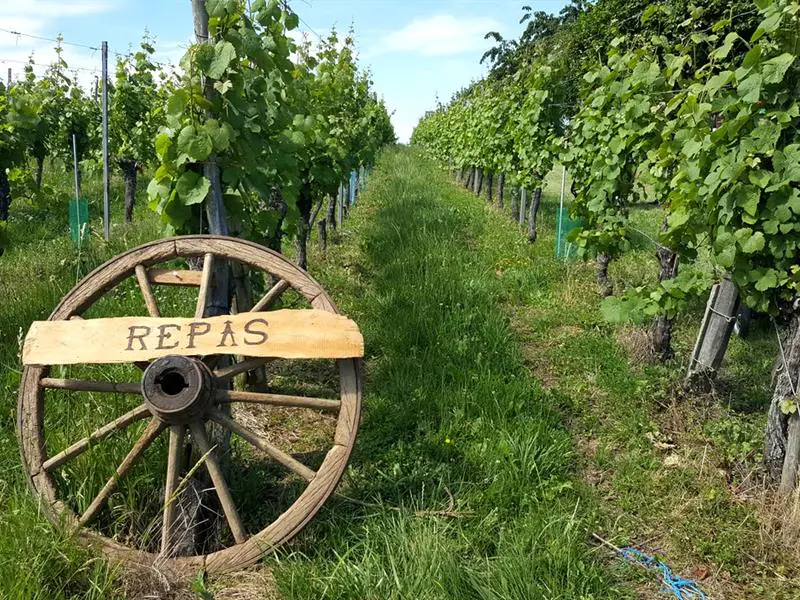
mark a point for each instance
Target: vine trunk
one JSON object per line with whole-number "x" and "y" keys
{"x": 782, "y": 438}
{"x": 662, "y": 326}
{"x": 606, "y": 287}
{"x": 533, "y": 213}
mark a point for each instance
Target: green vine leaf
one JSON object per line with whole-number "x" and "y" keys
{"x": 750, "y": 88}
{"x": 194, "y": 143}
{"x": 774, "y": 69}
{"x": 224, "y": 53}
{"x": 752, "y": 243}
{"x": 192, "y": 188}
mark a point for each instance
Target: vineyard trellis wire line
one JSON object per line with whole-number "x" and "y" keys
{"x": 35, "y": 64}
{"x": 47, "y": 39}
{"x": 74, "y": 44}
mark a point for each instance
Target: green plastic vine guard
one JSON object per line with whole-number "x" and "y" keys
{"x": 78, "y": 220}
{"x": 565, "y": 249}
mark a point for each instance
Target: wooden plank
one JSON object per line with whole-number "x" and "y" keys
{"x": 285, "y": 333}
{"x": 179, "y": 277}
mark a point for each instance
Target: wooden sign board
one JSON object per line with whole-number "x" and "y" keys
{"x": 274, "y": 334}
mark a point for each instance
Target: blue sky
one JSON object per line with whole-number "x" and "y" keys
{"x": 416, "y": 49}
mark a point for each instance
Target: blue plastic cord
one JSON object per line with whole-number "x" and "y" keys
{"x": 683, "y": 589}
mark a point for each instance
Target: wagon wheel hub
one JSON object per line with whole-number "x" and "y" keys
{"x": 178, "y": 389}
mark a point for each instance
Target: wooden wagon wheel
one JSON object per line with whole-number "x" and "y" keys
{"x": 179, "y": 393}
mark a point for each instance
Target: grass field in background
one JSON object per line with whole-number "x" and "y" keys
{"x": 504, "y": 422}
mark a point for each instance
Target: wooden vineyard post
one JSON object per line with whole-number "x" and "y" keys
{"x": 715, "y": 332}
{"x": 522, "y": 202}
{"x": 218, "y": 301}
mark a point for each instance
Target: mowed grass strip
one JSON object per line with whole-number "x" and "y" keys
{"x": 461, "y": 485}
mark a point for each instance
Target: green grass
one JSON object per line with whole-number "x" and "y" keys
{"x": 504, "y": 421}
{"x": 450, "y": 412}
{"x": 37, "y": 560}
{"x": 700, "y": 503}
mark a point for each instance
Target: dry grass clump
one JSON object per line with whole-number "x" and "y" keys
{"x": 635, "y": 340}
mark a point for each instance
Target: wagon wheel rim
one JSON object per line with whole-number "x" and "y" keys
{"x": 190, "y": 411}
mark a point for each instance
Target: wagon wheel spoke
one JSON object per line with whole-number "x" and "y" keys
{"x": 279, "y": 455}
{"x": 223, "y": 493}
{"x": 150, "y": 433}
{"x": 249, "y": 364}
{"x": 79, "y": 447}
{"x": 226, "y": 396}
{"x": 177, "y": 434}
{"x": 84, "y": 385}
{"x": 205, "y": 285}
{"x": 147, "y": 291}
{"x": 271, "y": 296}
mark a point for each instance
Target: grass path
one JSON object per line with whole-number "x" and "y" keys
{"x": 492, "y": 377}
{"x": 503, "y": 422}
{"x": 462, "y": 484}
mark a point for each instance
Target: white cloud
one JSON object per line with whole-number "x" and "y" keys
{"x": 41, "y": 18}
{"x": 48, "y": 9}
{"x": 440, "y": 35}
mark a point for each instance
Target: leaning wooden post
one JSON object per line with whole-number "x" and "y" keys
{"x": 715, "y": 332}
